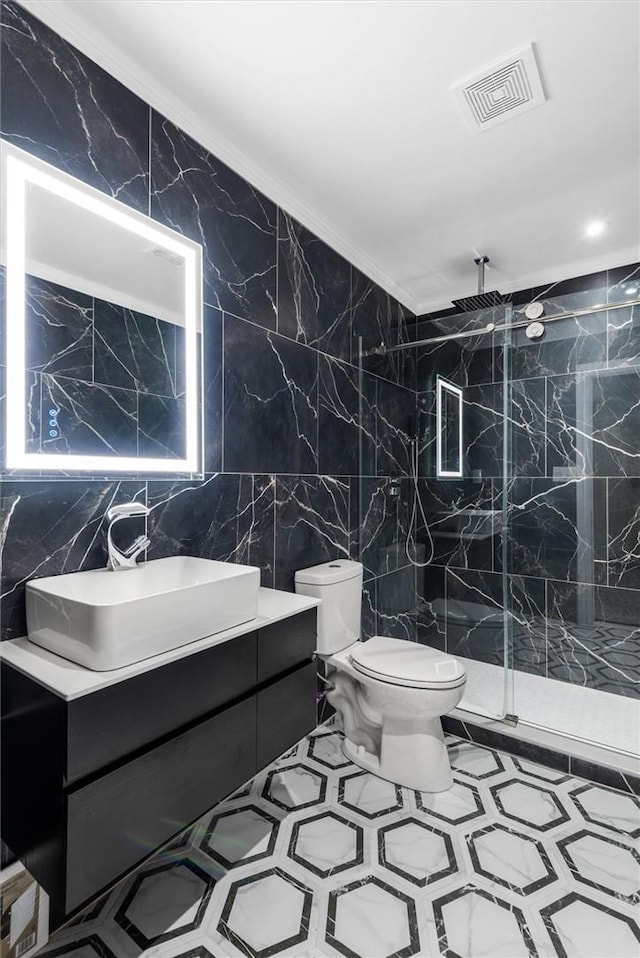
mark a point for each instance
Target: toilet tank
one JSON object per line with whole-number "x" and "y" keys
{"x": 339, "y": 585}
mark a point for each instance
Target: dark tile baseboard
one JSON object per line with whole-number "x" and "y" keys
{"x": 563, "y": 762}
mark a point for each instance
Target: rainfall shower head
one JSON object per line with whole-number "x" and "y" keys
{"x": 481, "y": 300}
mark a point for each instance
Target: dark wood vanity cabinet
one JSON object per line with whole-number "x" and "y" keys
{"x": 91, "y": 786}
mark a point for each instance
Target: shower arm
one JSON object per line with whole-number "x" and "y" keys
{"x": 481, "y": 262}
{"x": 491, "y": 328}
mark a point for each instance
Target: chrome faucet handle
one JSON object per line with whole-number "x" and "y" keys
{"x": 126, "y": 559}
{"x": 137, "y": 546}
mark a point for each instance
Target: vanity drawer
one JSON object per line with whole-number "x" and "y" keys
{"x": 109, "y": 724}
{"x": 119, "y": 819}
{"x": 285, "y": 644}
{"x": 286, "y": 712}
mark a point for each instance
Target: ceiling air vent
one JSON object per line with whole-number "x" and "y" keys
{"x": 502, "y": 91}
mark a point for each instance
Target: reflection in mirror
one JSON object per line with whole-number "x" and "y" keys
{"x": 448, "y": 430}
{"x": 103, "y": 322}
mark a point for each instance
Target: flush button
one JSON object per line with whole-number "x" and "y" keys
{"x": 334, "y": 565}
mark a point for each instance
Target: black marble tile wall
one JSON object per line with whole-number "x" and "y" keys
{"x": 314, "y": 291}
{"x": 570, "y": 489}
{"x": 226, "y": 517}
{"x": 290, "y": 420}
{"x": 193, "y": 192}
{"x": 270, "y": 401}
{"x": 60, "y": 106}
{"x": 395, "y": 604}
{"x": 379, "y": 321}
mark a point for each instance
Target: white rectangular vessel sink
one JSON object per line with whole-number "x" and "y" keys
{"x": 105, "y": 620}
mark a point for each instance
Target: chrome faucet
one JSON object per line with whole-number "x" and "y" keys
{"x": 125, "y": 560}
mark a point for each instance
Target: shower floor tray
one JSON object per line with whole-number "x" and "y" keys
{"x": 594, "y": 721}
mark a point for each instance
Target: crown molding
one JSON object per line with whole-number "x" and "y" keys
{"x": 59, "y": 16}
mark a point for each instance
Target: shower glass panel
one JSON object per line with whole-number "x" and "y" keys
{"x": 572, "y": 509}
{"x": 432, "y": 508}
{"x": 462, "y": 594}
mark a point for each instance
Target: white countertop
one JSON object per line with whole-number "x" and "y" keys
{"x": 70, "y": 681}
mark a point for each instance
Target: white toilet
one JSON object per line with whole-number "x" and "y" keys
{"x": 389, "y": 693}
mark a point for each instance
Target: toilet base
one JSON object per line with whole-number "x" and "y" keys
{"x": 415, "y": 758}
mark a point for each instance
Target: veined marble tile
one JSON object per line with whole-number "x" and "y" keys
{"x": 194, "y": 192}
{"x": 327, "y": 843}
{"x": 240, "y": 835}
{"x": 469, "y": 759}
{"x": 326, "y": 861}
{"x": 238, "y": 524}
{"x": 460, "y": 804}
{"x": 314, "y": 290}
{"x": 416, "y": 851}
{"x": 369, "y": 795}
{"x": 612, "y": 810}
{"x": 312, "y": 523}
{"x": 369, "y": 919}
{"x": 295, "y": 786}
{"x": 517, "y": 861}
{"x": 594, "y": 637}
{"x": 164, "y": 902}
{"x": 605, "y": 864}
{"x": 71, "y": 113}
{"x": 578, "y": 926}
{"x": 269, "y": 911}
{"x": 327, "y": 750}
{"x": 529, "y": 804}
{"x": 270, "y": 403}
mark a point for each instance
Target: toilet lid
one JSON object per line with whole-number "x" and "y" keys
{"x": 407, "y": 663}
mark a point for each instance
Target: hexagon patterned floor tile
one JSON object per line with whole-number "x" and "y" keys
{"x": 370, "y": 918}
{"x": 472, "y": 922}
{"x": 459, "y": 804}
{"x": 474, "y": 761}
{"x": 327, "y": 750}
{"x": 610, "y": 809}
{"x": 517, "y": 861}
{"x": 579, "y": 926}
{"x": 418, "y": 852}
{"x": 604, "y": 864}
{"x": 529, "y": 804}
{"x": 369, "y": 795}
{"x": 326, "y": 844}
{"x": 240, "y": 835}
{"x": 266, "y": 913}
{"x": 294, "y": 787}
{"x": 165, "y": 902}
{"x": 316, "y": 858}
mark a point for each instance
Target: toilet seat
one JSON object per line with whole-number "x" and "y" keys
{"x": 408, "y": 664}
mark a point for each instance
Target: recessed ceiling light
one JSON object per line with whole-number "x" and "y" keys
{"x": 631, "y": 291}
{"x": 595, "y": 228}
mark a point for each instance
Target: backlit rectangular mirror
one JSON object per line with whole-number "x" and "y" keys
{"x": 103, "y": 322}
{"x": 448, "y": 430}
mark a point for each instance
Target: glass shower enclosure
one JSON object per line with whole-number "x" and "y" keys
{"x": 516, "y": 507}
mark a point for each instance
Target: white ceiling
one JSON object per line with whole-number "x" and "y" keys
{"x": 342, "y": 112}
